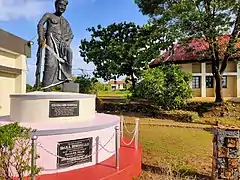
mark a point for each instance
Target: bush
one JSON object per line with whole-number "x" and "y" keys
{"x": 90, "y": 85}
{"x": 15, "y": 152}
{"x": 86, "y": 84}
{"x": 167, "y": 86}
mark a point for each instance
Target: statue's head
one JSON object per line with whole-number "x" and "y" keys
{"x": 61, "y": 5}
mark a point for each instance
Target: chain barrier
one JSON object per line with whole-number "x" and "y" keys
{"x": 77, "y": 158}
{"x": 128, "y": 131}
{"x": 128, "y": 144}
{"x": 106, "y": 149}
{"x": 134, "y": 132}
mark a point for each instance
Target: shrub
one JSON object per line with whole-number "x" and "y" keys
{"x": 86, "y": 84}
{"x": 167, "y": 86}
{"x": 15, "y": 152}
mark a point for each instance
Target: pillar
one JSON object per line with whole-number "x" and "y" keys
{"x": 238, "y": 79}
{"x": 203, "y": 80}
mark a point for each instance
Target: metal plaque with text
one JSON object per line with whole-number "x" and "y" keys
{"x": 63, "y": 108}
{"x": 74, "y": 152}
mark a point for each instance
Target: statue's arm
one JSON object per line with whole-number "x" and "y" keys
{"x": 69, "y": 36}
{"x": 41, "y": 31}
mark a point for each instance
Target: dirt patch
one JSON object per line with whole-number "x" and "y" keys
{"x": 208, "y": 110}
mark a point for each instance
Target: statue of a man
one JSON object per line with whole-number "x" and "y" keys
{"x": 58, "y": 55}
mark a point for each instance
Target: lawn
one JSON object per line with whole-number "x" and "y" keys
{"x": 113, "y": 94}
{"x": 185, "y": 151}
{"x": 176, "y": 144}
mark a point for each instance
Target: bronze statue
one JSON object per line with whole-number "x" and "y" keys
{"x": 55, "y": 38}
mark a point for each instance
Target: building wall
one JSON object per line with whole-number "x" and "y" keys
{"x": 231, "y": 90}
{"x": 204, "y": 69}
{"x": 196, "y": 92}
{"x": 186, "y": 67}
{"x": 210, "y": 92}
{"x": 196, "y": 67}
{"x": 231, "y": 67}
{"x": 7, "y": 82}
{"x": 117, "y": 86}
{"x": 11, "y": 81}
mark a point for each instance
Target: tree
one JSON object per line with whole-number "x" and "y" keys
{"x": 167, "y": 86}
{"x": 206, "y": 19}
{"x": 86, "y": 84}
{"x": 121, "y": 49}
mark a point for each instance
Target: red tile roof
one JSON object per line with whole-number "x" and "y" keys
{"x": 191, "y": 52}
{"x": 117, "y": 82}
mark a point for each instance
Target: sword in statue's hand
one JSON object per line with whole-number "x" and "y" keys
{"x": 40, "y": 59}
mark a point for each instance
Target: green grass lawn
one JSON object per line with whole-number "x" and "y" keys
{"x": 113, "y": 94}
{"x": 173, "y": 149}
{"x": 183, "y": 150}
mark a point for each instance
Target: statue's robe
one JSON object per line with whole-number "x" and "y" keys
{"x": 58, "y": 36}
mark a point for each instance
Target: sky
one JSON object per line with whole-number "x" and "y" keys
{"x": 20, "y": 17}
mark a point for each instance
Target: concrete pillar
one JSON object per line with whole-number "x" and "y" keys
{"x": 203, "y": 80}
{"x": 238, "y": 79}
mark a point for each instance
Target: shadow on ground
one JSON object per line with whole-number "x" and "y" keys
{"x": 181, "y": 173}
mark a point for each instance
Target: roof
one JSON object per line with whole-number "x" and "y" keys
{"x": 184, "y": 54}
{"x": 14, "y": 43}
{"x": 117, "y": 82}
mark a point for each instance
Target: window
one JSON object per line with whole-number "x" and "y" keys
{"x": 196, "y": 82}
{"x": 119, "y": 86}
{"x": 209, "y": 82}
{"x": 224, "y": 82}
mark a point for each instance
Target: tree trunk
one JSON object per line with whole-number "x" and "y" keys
{"x": 133, "y": 81}
{"x": 218, "y": 88}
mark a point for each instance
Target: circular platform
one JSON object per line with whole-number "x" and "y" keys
{"x": 51, "y": 106}
{"x": 54, "y": 137}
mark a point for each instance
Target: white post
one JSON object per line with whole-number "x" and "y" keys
{"x": 203, "y": 80}
{"x": 121, "y": 129}
{"x": 33, "y": 158}
{"x": 238, "y": 79}
{"x": 136, "y": 133}
{"x": 117, "y": 146}
{"x": 97, "y": 148}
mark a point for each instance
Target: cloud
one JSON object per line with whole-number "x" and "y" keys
{"x": 27, "y": 9}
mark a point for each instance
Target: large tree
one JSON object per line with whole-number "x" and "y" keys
{"x": 206, "y": 19}
{"x": 122, "y": 49}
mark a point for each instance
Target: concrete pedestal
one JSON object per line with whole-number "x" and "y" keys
{"x": 67, "y": 126}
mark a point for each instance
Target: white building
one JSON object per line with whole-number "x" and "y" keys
{"x": 13, "y": 54}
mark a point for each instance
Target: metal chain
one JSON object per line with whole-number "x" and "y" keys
{"x": 76, "y": 158}
{"x": 128, "y": 144}
{"x": 129, "y": 132}
{"x": 106, "y": 149}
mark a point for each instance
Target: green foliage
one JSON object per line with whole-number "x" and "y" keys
{"x": 29, "y": 88}
{"x": 121, "y": 49}
{"x": 207, "y": 19}
{"x": 167, "y": 86}
{"x": 88, "y": 85}
{"x": 15, "y": 151}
